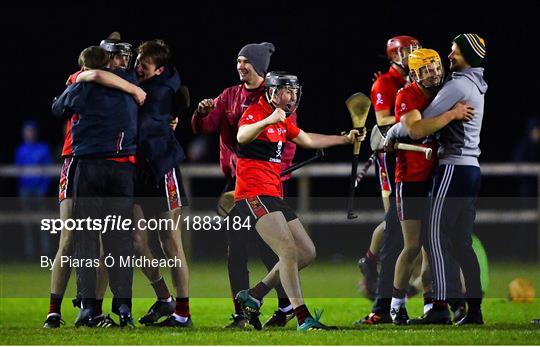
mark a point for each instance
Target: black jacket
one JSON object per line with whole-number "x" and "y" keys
{"x": 157, "y": 142}
{"x": 107, "y": 124}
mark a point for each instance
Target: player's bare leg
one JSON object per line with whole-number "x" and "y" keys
{"x": 404, "y": 268}
{"x": 164, "y": 305}
{"x": 60, "y": 274}
{"x": 275, "y": 231}
{"x": 305, "y": 250}
{"x": 171, "y": 242}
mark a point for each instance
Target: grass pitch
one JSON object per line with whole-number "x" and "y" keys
{"x": 330, "y": 286}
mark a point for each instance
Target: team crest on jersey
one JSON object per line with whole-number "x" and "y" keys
{"x": 249, "y": 117}
{"x": 379, "y": 99}
{"x": 279, "y": 131}
{"x": 403, "y": 106}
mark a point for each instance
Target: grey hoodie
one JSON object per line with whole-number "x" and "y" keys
{"x": 459, "y": 141}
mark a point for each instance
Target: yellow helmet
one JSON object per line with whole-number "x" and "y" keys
{"x": 425, "y": 63}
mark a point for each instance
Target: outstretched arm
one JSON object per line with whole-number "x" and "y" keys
{"x": 317, "y": 141}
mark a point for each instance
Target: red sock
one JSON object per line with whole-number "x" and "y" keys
{"x": 182, "y": 307}
{"x": 372, "y": 257}
{"x": 259, "y": 291}
{"x": 55, "y": 303}
{"x": 161, "y": 290}
{"x": 302, "y": 313}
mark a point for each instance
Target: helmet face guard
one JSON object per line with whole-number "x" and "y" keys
{"x": 429, "y": 76}
{"x": 115, "y": 48}
{"x": 278, "y": 82}
{"x": 426, "y": 68}
{"x": 401, "y": 46}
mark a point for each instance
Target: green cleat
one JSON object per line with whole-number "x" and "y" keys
{"x": 250, "y": 307}
{"x": 311, "y": 323}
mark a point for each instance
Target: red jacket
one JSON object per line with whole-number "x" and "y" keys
{"x": 228, "y": 108}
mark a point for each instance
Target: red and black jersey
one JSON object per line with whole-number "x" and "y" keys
{"x": 228, "y": 108}
{"x": 385, "y": 88}
{"x": 259, "y": 162}
{"x": 67, "y": 149}
{"x": 413, "y": 166}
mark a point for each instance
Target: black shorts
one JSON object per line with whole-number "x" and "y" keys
{"x": 67, "y": 179}
{"x": 256, "y": 207}
{"x": 158, "y": 197}
{"x": 412, "y": 199}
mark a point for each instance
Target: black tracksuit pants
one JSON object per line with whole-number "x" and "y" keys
{"x": 103, "y": 188}
{"x": 451, "y": 222}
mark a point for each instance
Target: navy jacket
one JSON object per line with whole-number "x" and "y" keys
{"x": 157, "y": 142}
{"x": 107, "y": 124}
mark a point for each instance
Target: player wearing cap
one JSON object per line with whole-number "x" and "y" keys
{"x": 413, "y": 171}
{"x": 222, "y": 114}
{"x": 263, "y": 129}
{"x": 457, "y": 182}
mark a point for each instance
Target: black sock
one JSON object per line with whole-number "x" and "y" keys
{"x": 440, "y": 305}
{"x": 55, "y": 303}
{"x": 283, "y": 303}
{"x": 474, "y": 304}
{"x": 398, "y": 293}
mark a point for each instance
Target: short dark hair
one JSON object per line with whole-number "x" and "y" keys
{"x": 93, "y": 57}
{"x": 156, "y": 51}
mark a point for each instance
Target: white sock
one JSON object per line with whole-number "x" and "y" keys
{"x": 428, "y": 307}
{"x": 395, "y": 305}
{"x": 180, "y": 319}
{"x": 286, "y": 309}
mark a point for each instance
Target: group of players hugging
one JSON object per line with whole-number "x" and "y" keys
{"x": 122, "y": 158}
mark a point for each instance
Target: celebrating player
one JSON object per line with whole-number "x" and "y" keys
{"x": 103, "y": 185}
{"x": 222, "y": 114}
{"x": 386, "y": 240}
{"x": 262, "y": 131}
{"x": 60, "y": 274}
{"x": 413, "y": 171}
{"x": 158, "y": 187}
{"x": 383, "y": 96}
{"x": 457, "y": 182}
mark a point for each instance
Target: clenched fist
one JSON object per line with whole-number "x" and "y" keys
{"x": 277, "y": 116}
{"x": 205, "y": 107}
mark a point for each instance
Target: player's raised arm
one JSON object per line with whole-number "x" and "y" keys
{"x": 249, "y": 132}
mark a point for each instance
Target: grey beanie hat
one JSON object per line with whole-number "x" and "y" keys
{"x": 258, "y": 55}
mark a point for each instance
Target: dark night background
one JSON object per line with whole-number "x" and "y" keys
{"x": 334, "y": 48}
